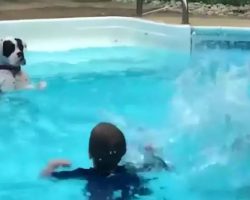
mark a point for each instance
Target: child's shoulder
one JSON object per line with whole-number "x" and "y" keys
{"x": 129, "y": 168}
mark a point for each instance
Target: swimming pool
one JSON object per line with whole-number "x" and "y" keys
{"x": 194, "y": 108}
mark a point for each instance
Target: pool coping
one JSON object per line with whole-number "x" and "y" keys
{"x": 115, "y": 31}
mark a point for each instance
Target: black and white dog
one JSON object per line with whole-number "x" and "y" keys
{"x": 12, "y": 57}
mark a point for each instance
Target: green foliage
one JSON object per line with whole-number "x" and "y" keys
{"x": 229, "y": 2}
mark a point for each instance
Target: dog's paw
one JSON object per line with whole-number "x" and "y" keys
{"x": 42, "y": 85}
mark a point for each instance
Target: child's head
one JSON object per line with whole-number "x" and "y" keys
{"x": 107, "y": 145}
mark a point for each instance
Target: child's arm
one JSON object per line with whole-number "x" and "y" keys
{"x": 52, "y": 166}
{"x": 78, "y": 173}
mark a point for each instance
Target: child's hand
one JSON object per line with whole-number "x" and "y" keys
{"x": 53, "y": 165}
{"x": 59, "y": 163}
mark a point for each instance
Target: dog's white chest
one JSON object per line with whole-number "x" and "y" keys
{"x": 7, "y": 81}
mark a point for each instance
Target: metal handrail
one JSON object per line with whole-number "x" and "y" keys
{"x": 185, "y": 10}
{"x": 139, "y": 7}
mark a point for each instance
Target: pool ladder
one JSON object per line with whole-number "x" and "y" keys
{"x": 185, "y": 11}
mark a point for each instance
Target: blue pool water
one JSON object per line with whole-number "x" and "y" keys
{"x": 194, "y": 110}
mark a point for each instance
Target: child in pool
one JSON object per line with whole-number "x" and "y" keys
{"x": 107, "y": 145}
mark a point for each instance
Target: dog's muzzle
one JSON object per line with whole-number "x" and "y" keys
{"x": 21, "y": 58}
{"x": 23, "y": 61}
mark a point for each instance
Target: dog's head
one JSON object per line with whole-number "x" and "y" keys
{"x": 12, "y": 51}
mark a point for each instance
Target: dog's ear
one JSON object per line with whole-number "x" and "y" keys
{"x": 21, "y": 44}
{"x": 8, "y": 48}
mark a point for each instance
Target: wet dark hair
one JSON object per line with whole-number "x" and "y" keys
{"x": 107, "y": 145}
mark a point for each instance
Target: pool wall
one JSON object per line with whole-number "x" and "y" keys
{"x": 67, "y": 33}
{"x": 220, "y": 37}
{"x": 63, "y": 34}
